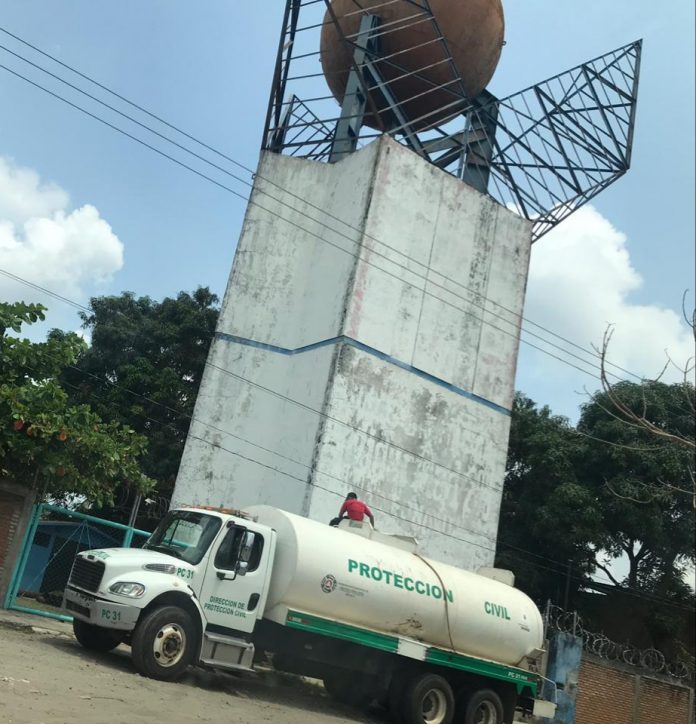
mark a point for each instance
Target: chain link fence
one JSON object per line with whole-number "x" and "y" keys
{"x": 54, "y": 538}
{"x": 600, "y": 645}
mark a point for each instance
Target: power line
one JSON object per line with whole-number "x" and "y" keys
{"x": 309, "y": 408}
{"x": 290, "y": 193}
{"x": 285, "y": 457}
{"x": 562, "y": 571}
{"x": 562, "y": 566}
{"x": 250, "y": 201}
{"x": 306, "y": 231}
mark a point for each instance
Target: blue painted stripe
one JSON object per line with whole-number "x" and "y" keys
{"x": 369, "y": 350}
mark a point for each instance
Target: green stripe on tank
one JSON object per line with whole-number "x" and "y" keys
{"x": 315, "y": 624}
{"x": 521, "y": 678}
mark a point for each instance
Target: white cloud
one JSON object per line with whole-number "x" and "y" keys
{"x": 581, "y": 279}
{"x": 44, "y": 241}
{"x": 24, "y": 197}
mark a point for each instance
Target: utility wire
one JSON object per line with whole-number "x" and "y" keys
{"x": 286, "y": 191}
{"x": 252, "y": 202}
{"x": 8, "y": 274}
{"x": 562, "y": 567}
{"x": 304, "y": 406}
{"x": 303, "y": 481}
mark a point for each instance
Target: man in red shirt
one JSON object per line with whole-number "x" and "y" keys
{"x": 355, "y": 509}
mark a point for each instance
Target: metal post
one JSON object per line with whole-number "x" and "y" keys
{"x": 355, "y": 96}
{"x": 276, "y": 142}
{"x": 635, "y": 719}
{"x": 128, "y": 537}
{"x": 567, "y": 587}
{"x": 482, "y": 122}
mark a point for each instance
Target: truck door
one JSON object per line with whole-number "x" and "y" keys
{"x": 234, "y": 580}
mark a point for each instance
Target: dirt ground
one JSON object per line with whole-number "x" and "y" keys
{"x": 49, "y": 679}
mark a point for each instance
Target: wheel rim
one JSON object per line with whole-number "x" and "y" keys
{"x": 434, "y": 707}
{"x": 169, "y": 645}
{"x": 486, "y": 713}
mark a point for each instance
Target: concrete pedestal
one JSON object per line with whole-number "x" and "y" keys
{"x": 377, "y": 363}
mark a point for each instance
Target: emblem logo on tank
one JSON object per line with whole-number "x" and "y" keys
{"x": 328, "y": 583}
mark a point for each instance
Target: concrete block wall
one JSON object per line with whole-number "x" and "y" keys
{"x": 367, "y": 355}
{"x": 610, "y": 693}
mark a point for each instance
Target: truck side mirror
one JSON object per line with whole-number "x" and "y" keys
{"x": 245, "y": 550}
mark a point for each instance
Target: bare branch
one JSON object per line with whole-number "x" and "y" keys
{"x": 628, "y": 497}
{"x": 608, "y": 572}
{"x": 690, "y": 322}
{"x": 629, "y": 416}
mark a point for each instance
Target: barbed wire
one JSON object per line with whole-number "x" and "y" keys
{"x": 600, "y": 645}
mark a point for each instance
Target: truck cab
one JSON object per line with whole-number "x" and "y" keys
{"x": 198, "y": 586}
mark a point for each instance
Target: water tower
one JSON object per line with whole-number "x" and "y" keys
{"x": 369, "y": 334}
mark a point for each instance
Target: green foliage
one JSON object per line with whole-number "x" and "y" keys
{"x": 641, "y": 480}
{"x": 547, "y": 514}
{"x": 46, "y": 442}
{"x": 143, "y": 369}
{"x": 603, "y": 490}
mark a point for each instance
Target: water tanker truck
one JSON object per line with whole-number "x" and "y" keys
{"x": 360, "y": 610}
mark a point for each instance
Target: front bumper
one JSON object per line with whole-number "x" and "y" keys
{"x": 98, "y": 611}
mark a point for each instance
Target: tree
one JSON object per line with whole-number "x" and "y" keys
{"x": 592, "y": 494}
{"x": 143, "y": 368}
{"x": 641, "y": 478}
{"x": 46, "y": 443}
{"x": 638, "y": 416}
{"x": 549, "y": 521}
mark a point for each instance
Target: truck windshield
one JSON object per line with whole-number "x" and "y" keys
{"x": 184, "y": 534}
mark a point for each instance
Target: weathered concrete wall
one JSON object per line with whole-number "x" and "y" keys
{"x": 398, "y": 364}
{"x": 16, "y": 503}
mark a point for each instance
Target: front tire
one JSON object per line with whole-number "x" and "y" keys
{"x": 95, "y": 638}
{"x": 428, "y": 699}
{"x": 164, "y": 643}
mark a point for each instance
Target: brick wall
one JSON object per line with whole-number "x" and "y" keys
{"x": 610, "y": 693}
{"x": 15, "y": 509}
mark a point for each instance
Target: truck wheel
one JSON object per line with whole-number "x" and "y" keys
{"x": 96, "y": 638}
{"x": 484, "y": 707}
{"x": 428, "y": 699}
{"x": 164, "y": 643}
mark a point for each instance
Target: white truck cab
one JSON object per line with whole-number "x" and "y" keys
{"x": 207, "y": 568}
{"x": 360, "y": 610}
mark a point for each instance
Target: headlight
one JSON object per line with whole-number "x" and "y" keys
{"x": 132, "y": 590}
{"x": 160, "y": 568}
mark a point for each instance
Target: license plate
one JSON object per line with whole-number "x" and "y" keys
{"x": 110, "y": 615}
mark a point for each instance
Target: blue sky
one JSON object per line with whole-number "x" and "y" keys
{"x": 207, "y": 68}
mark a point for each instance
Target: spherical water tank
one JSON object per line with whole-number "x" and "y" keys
{"x": 473, "y": 29}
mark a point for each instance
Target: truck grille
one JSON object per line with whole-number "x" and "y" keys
{"x": 86, "y": 574}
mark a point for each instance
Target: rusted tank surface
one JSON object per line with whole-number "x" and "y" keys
{"x": 473, "y": 30}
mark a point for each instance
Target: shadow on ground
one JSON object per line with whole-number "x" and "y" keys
{"x": 267, "y": 686}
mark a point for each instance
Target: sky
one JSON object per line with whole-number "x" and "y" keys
{"x": 85, "y": 211}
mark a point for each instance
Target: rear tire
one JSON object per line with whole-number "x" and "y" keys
{"x": 427, "y": 699}
{"x": 164, "y": 643}
{"x": 484, "y": 707}
{"x": 95, "y": 638}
